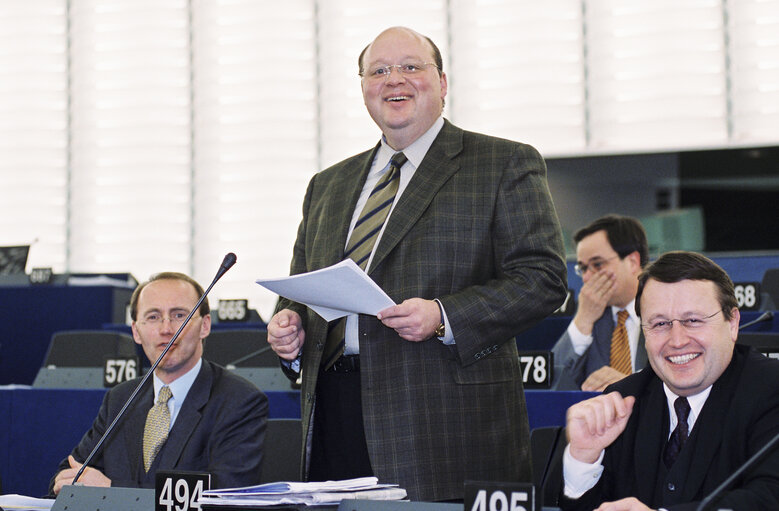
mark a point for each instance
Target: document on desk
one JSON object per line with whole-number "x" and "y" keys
{"x": 311, "y": 494}
{"x": 333, "y": 292}
{"x": 24, "y": 503}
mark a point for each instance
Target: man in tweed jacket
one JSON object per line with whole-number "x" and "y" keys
{"x": 429, "y": 393}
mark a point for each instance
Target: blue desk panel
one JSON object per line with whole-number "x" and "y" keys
{"x": 39, "y": 427}
{"x": 29, "y": 315}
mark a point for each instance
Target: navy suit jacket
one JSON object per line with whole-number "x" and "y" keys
{"x": 573, "y": 369}
{"x": 739, "y": 417}
{"x": 220, "y": 430}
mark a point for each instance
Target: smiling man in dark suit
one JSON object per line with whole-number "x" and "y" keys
{"x": 667, "y": 436}
{"x": 428, "y": 393}
{"x": 214, "y": 421}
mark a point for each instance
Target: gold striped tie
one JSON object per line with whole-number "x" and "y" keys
{"x": 362, "y": 240}
{"x": 157, "y": 425}
{"x": 620, "y": 348}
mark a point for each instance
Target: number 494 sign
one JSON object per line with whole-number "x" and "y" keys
{"x": 178, "y": 490}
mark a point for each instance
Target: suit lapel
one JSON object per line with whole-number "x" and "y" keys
{"x": 707, "y": 433}
{"x": 133, "y": 429}
{"x": 436, "y": 168}
{"x": 342, "y": 196}
{"x": 641, "y": 356}
{"x": 650, "y": 437}
{"x": 188, "y": 418}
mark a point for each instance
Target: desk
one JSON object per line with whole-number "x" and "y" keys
{"x": 39, "y": 427}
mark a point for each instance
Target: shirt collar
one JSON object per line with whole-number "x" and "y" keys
{"x": 631, "y": 308}
{"x": 696, "y": 404}
{"x": 181, "y": 385}
{"x": 415, "y": 152}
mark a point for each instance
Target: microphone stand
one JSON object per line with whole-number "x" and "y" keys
{"x": 766, "y": 316}
{"x": 227, "y": 263}
{"x": 727, "y": 482}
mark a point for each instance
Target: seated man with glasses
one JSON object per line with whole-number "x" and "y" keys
{"x": 603, "y": 343}
{"x": 669, "y": 435}
{"x": 192, "y": 415}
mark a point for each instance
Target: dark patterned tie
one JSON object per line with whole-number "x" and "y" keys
{"x": 680, "y": 434}
{"x": 157, "y": 425}
{"x": 620, "y": 348}
{"x": 362, "y": 240}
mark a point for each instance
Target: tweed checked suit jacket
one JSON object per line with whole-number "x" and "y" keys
{"x": 475, "y": 228}
{"x": 220, "y": 429}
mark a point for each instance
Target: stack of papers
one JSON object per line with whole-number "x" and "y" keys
{"x": 311, "y": 494}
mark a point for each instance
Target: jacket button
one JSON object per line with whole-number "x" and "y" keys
{"x": 671, "y": 487}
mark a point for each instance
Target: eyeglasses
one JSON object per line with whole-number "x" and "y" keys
{"x": 176, "y": 318}
{"x": 378, "y": 73}
{"x": 595, "y": 265}
{"x": 663, "y": 326}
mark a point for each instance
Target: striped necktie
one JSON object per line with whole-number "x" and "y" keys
{"x": 362, "y": 240}
{"x": 157, "y": 425}
{"x": 620, "y": 348}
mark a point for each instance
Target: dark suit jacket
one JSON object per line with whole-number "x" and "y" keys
{"x": 574, "y": 369}
{"x": 477, "y": 229}
{"x": 219, "y": 429}
{"x": 740, "y": 416}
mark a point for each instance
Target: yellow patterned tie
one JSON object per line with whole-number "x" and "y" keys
{"x": 620, "y": 348}
{"x": 362, "y": 240}
{"x": 157, "y": 425}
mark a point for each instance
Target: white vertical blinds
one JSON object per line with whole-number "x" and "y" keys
{"x": 656, "y": 73}
{"x": 149, "y": 135}
{"x": 130, "y": 112}
{"x": 33, "y": 129}
{"x": 518, "y": 72}
{"x": 255, "y": 138}
{"x": 753, "y": 31}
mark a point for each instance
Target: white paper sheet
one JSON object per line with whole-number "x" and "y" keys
{"x": 333, "y": 292}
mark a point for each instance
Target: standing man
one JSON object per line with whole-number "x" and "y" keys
{"x": 428, "y": 393}
{"x": 208, "y": 419}
{"x": 667, "y": 436}
{"x": 603, "y": 343}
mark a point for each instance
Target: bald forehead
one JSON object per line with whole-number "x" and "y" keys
{"x": 398, "y": 31}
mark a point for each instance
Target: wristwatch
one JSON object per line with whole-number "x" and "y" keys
{"x": 440, "y": 330}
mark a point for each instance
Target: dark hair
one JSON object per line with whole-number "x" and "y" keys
{"x": 436, "y": 57}
{"x": 625, "y": 234}
{"x": 168, "y": 275}
{"x": 677, "y": 266}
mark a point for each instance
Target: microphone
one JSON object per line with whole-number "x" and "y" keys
{"x": 227, "y": 263}
{"x": 766, "y": 316}
{"x": 727, "y": 482}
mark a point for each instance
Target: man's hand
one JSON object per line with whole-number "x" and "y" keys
{"x": 593, "y": 299}
{"x": 414, "y": 319}
{"x": 592, "y": 425}
{"x": 628, "y": 504}
{"x": 90, "y": 477}
{"x": 286, "y": 334}
{"x": 602, "y": 378}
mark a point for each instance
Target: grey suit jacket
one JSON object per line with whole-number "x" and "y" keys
{"x": 477, "y": 229}
{"x": 740, "y": 416}
{"x": 573, "y": 369}
{"x": 219, "y": 429}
